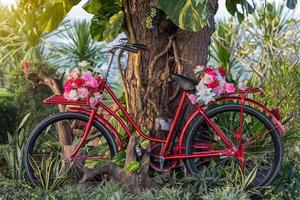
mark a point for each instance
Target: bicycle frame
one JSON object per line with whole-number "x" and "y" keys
{"x": 165, "y": 155}
{"x": 230, "y": 149}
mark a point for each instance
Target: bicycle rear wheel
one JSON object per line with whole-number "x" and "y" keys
{"x": 53, "y": 140}
{"x": 264, "y": 152}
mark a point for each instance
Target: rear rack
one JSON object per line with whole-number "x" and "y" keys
{"x": 245, "y": 91}
{"x": 59, "y": 99}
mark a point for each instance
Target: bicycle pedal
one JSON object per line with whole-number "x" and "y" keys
{"x": 139, "y": 152}
{"x": 223, "y": 157}
{"x": 161, "y": 164}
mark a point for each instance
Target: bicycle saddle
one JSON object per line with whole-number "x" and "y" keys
{"x": 187, "y": 84}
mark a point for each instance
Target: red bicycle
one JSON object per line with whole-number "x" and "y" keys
{"x": 232, "y": 128}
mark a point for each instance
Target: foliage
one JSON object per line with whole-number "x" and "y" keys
{"x": 21, "y": 35}
{"x": 8, "y": 119}
{"x": 27, "y": 23}
{"x": 13, "y": 154}
{"x": 108, "y": 19}
{"x": 50, "y": 167}
{"x": 267, "y": 43}
{"x": 223, "y": 50}
{"x": 79, "y": 47}
{"x": 270, "y": 35}
{"x": 191, "y": 15}
{"x": 10, "y": 189}
{"x": 226, "y": 193}
{"x": 260, "y": 50}
{"x": 188, "y": 15}
{"x": 286, "y": 184}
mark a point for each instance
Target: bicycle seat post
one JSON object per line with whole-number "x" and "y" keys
{"x": 113, "y": 52}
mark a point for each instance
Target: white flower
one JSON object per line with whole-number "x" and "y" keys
{"x": 198, "y": 69}
{"x": 222, "y": 81}
{"x": 200, "y": 86}
{"x": 84, "y": 63}
{"x": 73, "y": 95}
{"x": 205, "y": 94}
{"x": 242, "y": 85}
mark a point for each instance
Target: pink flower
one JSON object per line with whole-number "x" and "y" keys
{"x": 68, "y": 86}
{"x": 193, "y": 98}
{"x": 82, "y": 92}
{"x": 25, "y": 67}
{"x": 92, "y": 82}
{"x": 66, "y": 95}
{"x": 87, "y": 75}
{"x": 207, "y": 79}
{"x": 74, "y": 74}
{"x": 218, "y": 90}
{"x": 96, "y": 99}
{"x": 213, "y": 74}
{"x": 229, "y": 87}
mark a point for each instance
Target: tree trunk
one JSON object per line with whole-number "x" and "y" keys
{"x": 150, "y": 91}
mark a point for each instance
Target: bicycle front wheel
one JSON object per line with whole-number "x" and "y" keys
{"x": 263, "y": 148}
{"x": 53, "y": 140}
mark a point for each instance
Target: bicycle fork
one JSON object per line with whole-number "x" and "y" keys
{"x": 86, "y": 133}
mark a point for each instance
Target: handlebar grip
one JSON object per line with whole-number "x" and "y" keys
{"x": 139, "y": 46}
{"x": 133, "y": 50}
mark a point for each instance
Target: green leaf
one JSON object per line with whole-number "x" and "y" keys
{"x": 132, "y": 166}
{"x": 93, "y": 6}
{"x": 114, "y": 27}
{"x": 24, "y": 120}
{"x": 231, "y": 7}
{"x": 240, "y": 17}
{"x": 119, "y": 159}
{"x": 199, "y": 2}
{"x": 108, "y": 19}
{"x": 291, "y": 4}
{"x": 55, "y": 13}
{"x": 187, "y": 15}
{"x": 51, "y": 19}
{"x": 249, "y": 8}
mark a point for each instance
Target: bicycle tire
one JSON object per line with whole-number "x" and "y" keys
{"x": 213, "y": 113}
{"x": 48, "y": 122}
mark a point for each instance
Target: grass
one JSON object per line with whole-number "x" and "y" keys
{"x": 10, "y": 189}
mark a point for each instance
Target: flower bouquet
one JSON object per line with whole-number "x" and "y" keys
{"x": 82, "y": 84}
{"x": 211, "y": 84}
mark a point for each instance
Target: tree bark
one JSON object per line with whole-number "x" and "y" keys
{"x": 150, "y": 90}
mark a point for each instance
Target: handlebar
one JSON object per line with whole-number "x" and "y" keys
{"x": 126, "y": 46}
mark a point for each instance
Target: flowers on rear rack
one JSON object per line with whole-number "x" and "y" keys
{"x": 81, "y": 83}
{"x": 211, "y": 84}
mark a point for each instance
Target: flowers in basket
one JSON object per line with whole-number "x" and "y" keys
{"x": 81, "y": 83}
{"x": 211, "y": 84}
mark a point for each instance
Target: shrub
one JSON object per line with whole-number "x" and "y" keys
{"x": 8, "y": 115}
